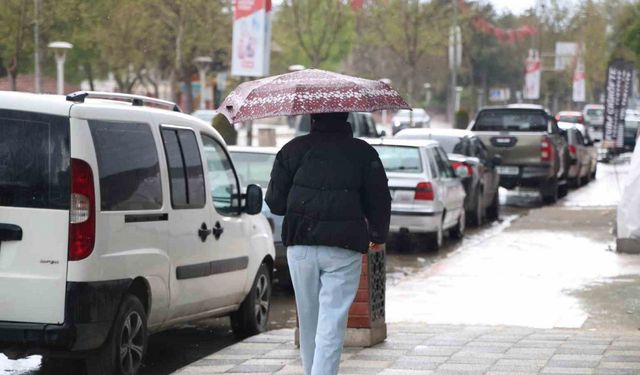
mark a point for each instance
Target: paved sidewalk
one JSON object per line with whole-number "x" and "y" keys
{"x": 421, "y": 349}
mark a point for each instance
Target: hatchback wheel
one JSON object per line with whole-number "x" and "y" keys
{"x": 253, "y": 315}
{"x": 123, "y": 352}
{"x": 477, "y": 216}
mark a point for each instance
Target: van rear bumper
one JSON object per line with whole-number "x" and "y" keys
{"x": 32, "y": 334}
{"x": 91, "y": 308}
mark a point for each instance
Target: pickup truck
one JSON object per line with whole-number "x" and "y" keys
{"x": 533, "y": 150}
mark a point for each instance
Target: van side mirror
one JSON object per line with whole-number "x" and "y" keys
{"x": 253, "y": 200}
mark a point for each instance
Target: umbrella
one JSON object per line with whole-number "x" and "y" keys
{"x": 308, "y": 91}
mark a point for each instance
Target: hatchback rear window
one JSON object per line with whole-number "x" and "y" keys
{"x": 404, "y": 159}
{"x": 127, "y": 165}
{"x": 513, "y": 120}
{"x": 34, "y": 160}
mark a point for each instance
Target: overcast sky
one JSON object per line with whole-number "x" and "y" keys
{"x": 515, "y": 6}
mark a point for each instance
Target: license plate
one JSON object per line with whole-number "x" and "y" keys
{"x": 508, "y": 170}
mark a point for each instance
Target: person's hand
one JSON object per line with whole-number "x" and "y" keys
{"x": 375, "y": 246}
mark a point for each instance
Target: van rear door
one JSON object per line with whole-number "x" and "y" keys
{"x": 34, "y": 216}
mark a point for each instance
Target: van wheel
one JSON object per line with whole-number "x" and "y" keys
{"x": 124, "y": 350}
{"x": 457, "y": 232}
{"x": 253, "y": 315}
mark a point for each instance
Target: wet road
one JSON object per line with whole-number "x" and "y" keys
{"x": 540, "y": 266}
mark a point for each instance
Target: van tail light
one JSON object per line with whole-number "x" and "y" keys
{"x": 546, "y": 149}
{"x": 456, "y": 164}
{"x": 424, "y": 191}
{"x": 82, "y": 215}
{"x": 572, "y": 150}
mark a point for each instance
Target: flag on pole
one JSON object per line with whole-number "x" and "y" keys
{"x": 532, "y": 76}
{"x": 251, "y": 38}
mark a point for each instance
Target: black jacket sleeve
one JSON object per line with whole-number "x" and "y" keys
{"x": 279, "y": 186}
{"x": 376, "y": 200}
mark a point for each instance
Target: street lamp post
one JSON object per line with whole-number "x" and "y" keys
{"x": 203, "y": 63}
{"x": 427, "y": 93}
{"x": 60, "y": 49}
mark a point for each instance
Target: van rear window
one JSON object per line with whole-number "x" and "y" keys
{"x": 511, "y": 120}
{"x": 127, "y": 165}
{"x": 34, "y": 160}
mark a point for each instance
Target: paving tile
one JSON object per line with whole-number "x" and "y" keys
{"x": 630, "y": 365}
{"x": 621, "y": 358}
{"x": 573, "y": 364}
{"x": 415, "y": 363}
{"x": 425, "y": 350}
{"x": 577, "y": 357}
{"x": 566, "y": 371}
{"x": 248, "y": 368}
{"x": 365, "y": 364}
{"x": 405, "y": 372}
{"x": 463, "y": 367}
{"x": 282, "y": 353}
{"x": 291, "y": 370}
{"x": 510, "y": 373}
{"x": 615, "y": 371}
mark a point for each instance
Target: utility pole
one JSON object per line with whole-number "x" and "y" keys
{"x": 453, "y": 39}
{"x": 36, "y": 37}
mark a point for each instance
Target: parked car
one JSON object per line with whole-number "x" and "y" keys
{"x": 579, "y": 155}
{"x": 428, "y": 196}
{"x": 482, "y": 183}
{"x": 362, "y": 123}
{"x": 404, "y": 118}
{"x": 118, "y": 219}
{"x": 594, "y": 119}
{"x": 205, "y": 115}
{"x": 253, "y": 165}
{"x": 533, "y": 151}
{"x": 588, "y": 143}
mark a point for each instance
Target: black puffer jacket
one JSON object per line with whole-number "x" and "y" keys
{"x": 332, "y": 189}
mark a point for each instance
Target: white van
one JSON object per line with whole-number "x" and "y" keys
{"x": 120, "y": 218}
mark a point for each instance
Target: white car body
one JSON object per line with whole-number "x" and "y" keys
{"x": 415, "y": 118}
{"x": 442, "y": 212}
{"x": 157, "y": 254}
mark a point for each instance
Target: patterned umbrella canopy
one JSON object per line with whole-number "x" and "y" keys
{"x": 308, "y": 91}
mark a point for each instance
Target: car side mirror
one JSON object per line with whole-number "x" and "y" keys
{"x": 462, "y": 171}
{"x": 383, "y": 133}
{"x": 496, "y": 160}
{"x": 253, "y": 200}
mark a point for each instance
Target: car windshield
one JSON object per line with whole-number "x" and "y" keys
{"x": 632, "y": 124}
{"x": 400, "y": 158}
{"x": 512, "y": 119}
{"x": 595, "y": 112}
{"x": 253, "y": 167}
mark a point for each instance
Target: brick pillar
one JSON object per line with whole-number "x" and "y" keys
{"x": 367, "y": 326}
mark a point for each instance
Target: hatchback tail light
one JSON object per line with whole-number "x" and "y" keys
{"x": 424, "y": 191}
{"x": 573, "y": 150}
{"x": 456, "y": 164}
{"x": 546, "y": 149}
{"x": 82, "y": 215}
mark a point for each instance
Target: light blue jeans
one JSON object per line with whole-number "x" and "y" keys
{"x": 325, "y": 280}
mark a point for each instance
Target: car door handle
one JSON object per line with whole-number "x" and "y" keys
{"x": 10, "y": 232}
{"x": 203, "y": 232}
{"x": 217, "y": 230}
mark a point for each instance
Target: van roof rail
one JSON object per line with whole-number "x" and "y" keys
{"x": 135, "y": 100}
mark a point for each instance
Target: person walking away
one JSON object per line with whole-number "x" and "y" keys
{"x": 333, "y": 191}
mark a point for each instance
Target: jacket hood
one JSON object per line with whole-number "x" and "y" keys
{"x": 331, "y": 127}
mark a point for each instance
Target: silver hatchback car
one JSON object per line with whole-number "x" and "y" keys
{"x": 427, "y": 194}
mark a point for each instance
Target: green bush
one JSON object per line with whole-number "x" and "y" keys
{"x": 462, "y": 119}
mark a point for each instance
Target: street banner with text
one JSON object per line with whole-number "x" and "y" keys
{"x": 532, "y": 76}
{"x": 251, "y": 38}
{"x": 579, "y": 76}
{"x": 618, "y": 89}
